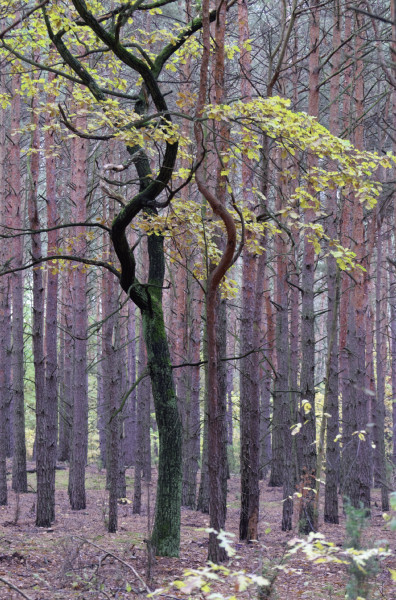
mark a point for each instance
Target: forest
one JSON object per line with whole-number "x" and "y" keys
{"x": 198, "y": 299}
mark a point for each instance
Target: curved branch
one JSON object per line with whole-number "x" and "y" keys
{"x": 192, "y": 27}
{"x": 55, "y": 257}
{"x": 85, "y": 77}
{"x": 40, "y": 66}
{"x": 47, "y": 229}
{"x": 80, "y": 134}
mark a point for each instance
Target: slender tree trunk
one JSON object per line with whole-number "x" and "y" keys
{"x": 333, "y": 428}
{"x": 44, "y": 514}
{"x": 66, "y": 407}
{"x": 142, "y": 426}
{"x": 392, "y": 326}
{"x": 358, "y": 486}
{"x": 192, "y": 416}
{"x": 380, "y": 474}
{"x": 203, "y": 491}
{"x": 276, "y": 478}
{"x": 307, "y": 377}
{"x": 216, "y": 414}
{"x": 114, "y": 425}
{"x": 392, "y": 275}
{"x": 130, "y": 445}
{"x": 346, "y": 234}
{"x": 266, "y": 438}
{"x": 80, "y": 379}
{"x": 4, "y": 281}
{"x": 249, "y": 334}
{"x": 282, "y": 396}
{"x": 51, "y": 319}
{"x": 332, "y": 408}
{"x": 19, "y": 477}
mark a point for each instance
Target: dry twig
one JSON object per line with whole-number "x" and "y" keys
{"x": 15, "y": 588}
{"x": 119, "y": 559}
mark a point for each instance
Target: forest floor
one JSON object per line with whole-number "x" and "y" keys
{"x": 61, "y": 562}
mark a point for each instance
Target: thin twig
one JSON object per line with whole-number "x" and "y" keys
{"x": 14, "y": 587}
{"x": 116, "y": 558}
{"x": 85, "y": 261}
{"x": 128, "y": 393}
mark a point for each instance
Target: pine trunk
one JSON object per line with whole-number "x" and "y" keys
{"x": 80, "y": 378}
{"x": 19, "y": 477}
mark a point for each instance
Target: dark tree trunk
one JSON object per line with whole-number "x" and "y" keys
{"x": 265, "y": 422}
{"x": 66, "y": 404}
{"x": 266, "y": 383}
{"x": 333, "y": 427}
{"x": 249, "y": 405}
{"x": 332, "y": 441}
{"x": 166, "y": 532}
{"x": 113, "y": 429}
{"x": 358, "y": 486}
{"x": 45, "y": 508}
{"x": 51, "y": 324}
{"x": 282, "y": 396}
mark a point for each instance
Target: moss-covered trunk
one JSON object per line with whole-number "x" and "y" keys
{"x": 166, "y": 532}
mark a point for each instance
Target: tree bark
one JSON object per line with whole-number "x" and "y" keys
{"x": 80, "y": 378}
{"x": 333, "y": 428}
{"x": 250, "y": 333}
{"x": 51, "y": 316}
{"x": 307, "y": 376}
{"x": 19, "y": 477}
{"x": 380, "y": 475}
{"x": 4, "y": 320}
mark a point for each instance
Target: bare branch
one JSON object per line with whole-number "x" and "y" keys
{"x": 86, "y": 136}
{"x": 370, "y": 14}
{"x": 15, "y": 588}
{"x": 55, "y": 257}
{"x": 123, "y": 562}
{"x": 18, "y": 232}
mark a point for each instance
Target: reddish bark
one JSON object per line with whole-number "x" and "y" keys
{"x": 80, "y": 378}
{"x": 216, "y": 420}
{"x": 250, "y": 332}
